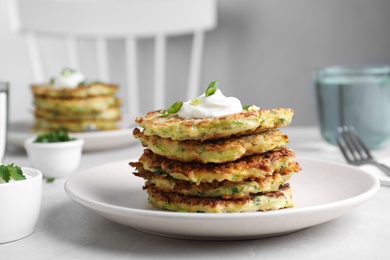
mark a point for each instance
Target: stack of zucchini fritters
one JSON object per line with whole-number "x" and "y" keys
{"x": 90, "y": 105}
{"x": 234, "y": 163}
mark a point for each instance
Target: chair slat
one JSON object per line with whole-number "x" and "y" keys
{"x": 36, "y": 57}
{"x": 73, "y": 53}
{"x": 159, "y": 72}
{"x": 103, "y": 20}
{"x": 132, "y": 77}
{"x": 195, "y": 64}
{"x": 102, "y": 55}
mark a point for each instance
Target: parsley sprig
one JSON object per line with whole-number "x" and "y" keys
{"x": 57, "y": 136}
{"x": 11, "y": 171}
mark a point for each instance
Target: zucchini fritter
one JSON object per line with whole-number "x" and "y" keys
{"x": 74, "y": 126}
{"x": 246, "y": 122}
{"x": 213, "y": 151}
{"x": 112, "y": 113}
{"x": 253, "y": 166}
{"x": 87, "y": 106}
{"x": 261, "y": 202}
{"x": 77, "y": 105}
{"x": 224, "y": 189}
{"x": 83, "y": 91}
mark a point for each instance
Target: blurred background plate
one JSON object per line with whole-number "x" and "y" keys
{"x": 94, "y": 141}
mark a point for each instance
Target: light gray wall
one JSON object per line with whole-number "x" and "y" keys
{"x": 264, "y": 52}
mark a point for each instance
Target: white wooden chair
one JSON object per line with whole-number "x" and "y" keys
{"x": 102, "y": 20}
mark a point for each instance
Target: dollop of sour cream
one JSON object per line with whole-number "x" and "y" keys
{"x": 69, "y": 79}
{"x": 215, "y": 105}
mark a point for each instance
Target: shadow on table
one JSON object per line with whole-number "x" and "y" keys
{"x": 81, "y": 231}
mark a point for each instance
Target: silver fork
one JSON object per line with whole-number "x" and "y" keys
{"x": 354, "y": 150}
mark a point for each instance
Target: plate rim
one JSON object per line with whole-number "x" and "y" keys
{"x": 16, "y": 138}
{"x": 357, "y": 199}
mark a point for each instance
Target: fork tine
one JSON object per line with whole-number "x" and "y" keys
{"x": 350, "y": 144}
{"x": 349, "y": 140}
{"x": 354, "y": 150}
{"x": 361, "y": 147}
{"x": 340, "y": 138}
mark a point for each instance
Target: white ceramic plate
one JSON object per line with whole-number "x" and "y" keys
{"x": 93, "y": 141}
{"x": 382, "y": 177}
{"x": 322, "y": 191}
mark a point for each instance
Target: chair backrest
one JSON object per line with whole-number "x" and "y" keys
{"x": 130, "y": 20}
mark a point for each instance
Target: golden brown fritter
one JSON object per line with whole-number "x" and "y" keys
{"x": 112, "y": 113}
{"x": 76, "y": 109}
{"x": 90, "y": 90}
{"x": 74, "y": 126}
{"x": 246, "y": 122}
{"x": 77, "y": 105}
{"x": 253, "y": 166}
{"x": 279, "y": 199}
{"x": 215, "y": 151}
{"x": 224, "y": 189}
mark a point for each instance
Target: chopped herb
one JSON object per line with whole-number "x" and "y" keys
{"x": 159, "y": 170}
{"x": 195, "y": 102}
{"x": 238, "y": 122}
{"x": 212, "y": 88}
{"x": 57, "y": 136}
{"x": 173, "y": 109}
{"x": 251, "y": 107}
{"x": 235, "y": 189}
{"x": 50, "y": 180}
{"x": 52, "y": 81}
{"x": 82, "y": 83}
{"x": 257, "y": 201}
{"x": 67, "y": 72}
{"x": 11, "y": 171}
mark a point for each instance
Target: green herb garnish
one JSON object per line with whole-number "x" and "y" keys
{"x": 212, "y": 88}
{"x": 50, "y": 179}
{"x": 173, "y": 109}
{"x": 57, "y": 136}
{"x": 82, "y": 83}
{"x": 195, "y": 102}
{"x": 250, "y": 107}
{"x": 11, "y": 171}
{"x": 52, "y": 81}
{"x": 67, "y": 72}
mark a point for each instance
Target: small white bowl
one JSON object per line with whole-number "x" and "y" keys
{"x": 20, "y": 204}
{"x": 55, "y": 160}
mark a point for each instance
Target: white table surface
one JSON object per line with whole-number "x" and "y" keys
{"x": 66, "y": 230}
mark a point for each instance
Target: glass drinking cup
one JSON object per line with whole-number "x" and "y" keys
{"x": 356, "y": 96}
{"x": 3, "y": 118}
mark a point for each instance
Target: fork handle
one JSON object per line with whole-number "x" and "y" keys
{"x": 384, "y": 168}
